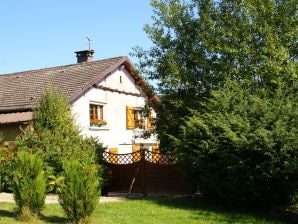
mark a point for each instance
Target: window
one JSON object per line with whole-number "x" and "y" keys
{"x": 96, "y": 115}
{"x": 134, "y": 118}
{"x": 138, "y": 118}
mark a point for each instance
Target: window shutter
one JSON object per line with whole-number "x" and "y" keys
{"x": 136, "y": 156}
{"x": 155, "y": 154}
{"x": 150, "y": 125}
{"x": 130, "y": 122}
{"x": 114, "y": 156}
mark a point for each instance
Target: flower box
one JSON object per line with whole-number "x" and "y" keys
{"x": 97, "y": 123}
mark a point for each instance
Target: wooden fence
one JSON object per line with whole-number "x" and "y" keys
{"x": 144, "y": 172}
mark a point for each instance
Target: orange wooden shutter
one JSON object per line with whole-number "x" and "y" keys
{"x": 155, "y": 154}
{"x": 136, "y": 156}
{"x": 130, "y": 122}
{"x": 114, "y": 156}
{"x": 150, "y": 121}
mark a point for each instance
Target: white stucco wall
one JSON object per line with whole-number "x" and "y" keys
{"x": 114, "y": 134}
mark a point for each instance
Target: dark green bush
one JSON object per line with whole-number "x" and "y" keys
{"x": 241, "y": 148}
{"x": 29, "y": 184}
{"x": 79, "y": 193}
{"x": 7, "y": 155}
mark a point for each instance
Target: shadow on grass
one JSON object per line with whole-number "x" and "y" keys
{"x": 231, "y": 214}
{"x": 47, "y": 219}
{"x": 53, "y": 219}
{"x": 8, "y": 214}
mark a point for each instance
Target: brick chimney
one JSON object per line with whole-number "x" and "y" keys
{"x": 84, "y": 56}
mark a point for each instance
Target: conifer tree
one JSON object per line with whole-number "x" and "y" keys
{"x": 80, "y": 191}
{"x": 29, "y": 185}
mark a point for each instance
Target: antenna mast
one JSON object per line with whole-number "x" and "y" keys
{"x": 89, "y": 42}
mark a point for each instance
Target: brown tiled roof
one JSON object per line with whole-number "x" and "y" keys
{"x": 20, "y": 91}
{"x": 16, "y": 117}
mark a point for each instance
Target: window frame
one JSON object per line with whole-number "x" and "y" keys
{"x": 139, "y": 118}
{"x": 136, "y": 118}
{"x": 97, "y": 113}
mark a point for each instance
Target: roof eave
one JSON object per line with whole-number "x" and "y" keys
{"x": 123, "y": 61}
{"x": 131, "y": 69}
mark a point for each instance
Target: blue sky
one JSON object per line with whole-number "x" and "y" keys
{"x": 45, "y": 33}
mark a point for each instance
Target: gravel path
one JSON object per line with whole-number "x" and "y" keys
{"x": 52, "y": 198}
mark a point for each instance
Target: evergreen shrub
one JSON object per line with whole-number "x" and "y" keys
{"x": 241, "y": 149}
{"x": 29, "y": 184}
{"x": 79, "y": 193}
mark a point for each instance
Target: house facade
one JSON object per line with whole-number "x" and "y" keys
{"x": 107, "y": 98}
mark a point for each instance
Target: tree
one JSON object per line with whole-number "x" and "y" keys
{"x": 201, "y": 49}
{"x": 53, "y": 112}
{"x": 56, "y": 138}
{"x": 198, "y": 44}
{"x": 241, "y": 148}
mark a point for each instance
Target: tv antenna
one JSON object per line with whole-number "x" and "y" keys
{"x": 89, "y": 42}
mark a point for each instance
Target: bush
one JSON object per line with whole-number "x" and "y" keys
{"x": 241, "y": 149}
{"x": 80, "y": 191}
{"x": 56, "y": 138}
{"x": 7, "y": 156}
{"x": 29, "y": 184}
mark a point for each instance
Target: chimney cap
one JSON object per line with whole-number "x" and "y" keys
{"x": 84, "y": 56}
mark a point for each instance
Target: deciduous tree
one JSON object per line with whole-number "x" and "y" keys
{"x": 243, "y": 136}
{"x": 198, "y": 44}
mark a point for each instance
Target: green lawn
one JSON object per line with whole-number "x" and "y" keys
{"x": 154, "y": 211}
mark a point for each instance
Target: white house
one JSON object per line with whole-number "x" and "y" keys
{"x": 106, "y": 96}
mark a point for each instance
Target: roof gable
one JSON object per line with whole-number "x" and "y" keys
{"x": 20, "y": 91}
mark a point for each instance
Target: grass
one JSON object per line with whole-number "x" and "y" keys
{"x": 153, "y": 211}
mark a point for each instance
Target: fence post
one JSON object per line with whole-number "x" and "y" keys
{"x": 143, "y": 163}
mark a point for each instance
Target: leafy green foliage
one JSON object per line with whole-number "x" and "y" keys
{"x": 80, "y": 191}
{"x": 198, "y": 44}
{"x": 55, "y": 137}
{"x": 29, "y": 187}
{"x": 242, "y": 148}
{"x": 56, "y": 147}
{"x": 239, "y": 144}
{"x": 53, "y": 112}
{"x": 7, "y": 155}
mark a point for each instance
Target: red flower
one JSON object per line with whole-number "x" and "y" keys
{"x": 97, "y": 122}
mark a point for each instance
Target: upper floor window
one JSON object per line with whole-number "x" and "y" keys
{"x": 138, "y": 118}
{"x": 96, "y": 114}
